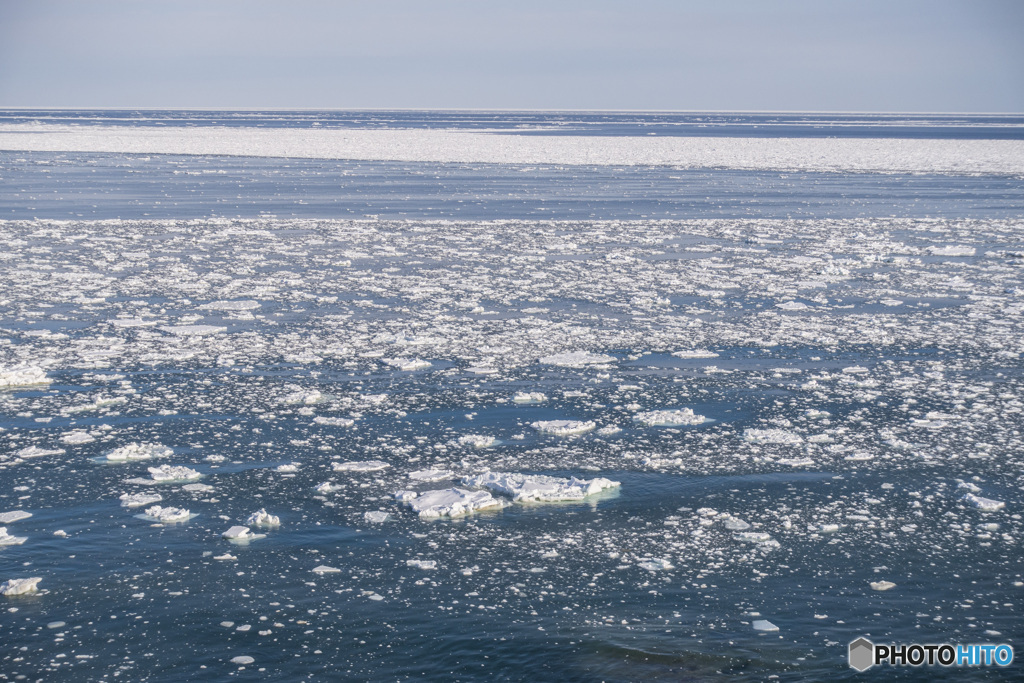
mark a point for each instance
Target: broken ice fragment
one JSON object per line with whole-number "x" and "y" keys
{"x": 448, "y": 502}
{"x": 655, "y": 565}
{"x": 324, "y": 569}
{"x": 376, "y": 516}
{"x": 882, "y": 585}
{"x": 986, "y": 504}
{"x": 577, "y": 359}
{"x": 22, "y": 376}
{"x": 523, "y": 487}
{"x": 563, "y": 427}
{"x": 20, "y": 586}
{"x": 242, "y": 659}
{"x": 7, "y": 539}
{"x": 137, "y": 451}
{"x": 262, "y": 518}
{"x": 422, "y": 564}
{"x": 13, "y": 516}
{"x": 359, "y": 466}
{"x": 764, "y": 625}
{"x": 777, "y": 436}
{"x": 529, "y": 397}
{"x": 431, "y": 475}
{"x": 477, "y": 441}
{"x": 669, "y": 418}
{"x": 170, "y": 473}
{"x": 167, "y": 514}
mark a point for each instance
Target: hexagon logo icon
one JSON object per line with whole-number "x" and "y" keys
{"x": 862, "y": 654}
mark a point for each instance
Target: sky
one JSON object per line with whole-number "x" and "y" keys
{"x": 683, "y": 55}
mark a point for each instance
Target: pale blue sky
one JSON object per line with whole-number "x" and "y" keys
{"x": 863, "y": 55}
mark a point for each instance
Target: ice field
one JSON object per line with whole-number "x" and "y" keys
{"x": 457, "y": 400}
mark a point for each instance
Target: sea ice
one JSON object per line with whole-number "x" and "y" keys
{"x": 20, "y": 586}
{"x": 577, "y": 359}
{"x": 77, "y": 436}
{"x": 448, "y": 502}
{"x": 242, "y": 659}
{"x": 563, "y": 427}
{"x": 986, "y": 504}
{"x": 695, "y": 353}
{"x": 359, "y": 466}
{"x": 654, "y": 565}
{"x": 262, "y": 518}
{"x": 477, "y": 440}
{"x": 529, "y": 397}
{"x": 22, "y": 376}
{"x": 13, "y": 516}
{"x": 138, "y": 451}
{"x": 167, "y": 514}
{"x": 882, "y": 585}
{"x": 7, "y": 539}
{"x": 192, "y": 330}
{"x": 247, "y": 305}
{"x": 669, "y": 418}
{"x": 539, "y": 487}
{"x": 776, "y": 436}
{"x": 238, "y": 533}
{"x": 135, "y": 500}
{"x": 764, "y": 625}
{"x": 334, "y": 421}
{"x": 376, "y": 516}
{"x": 324, "y": 569}
{"x": 421, "y": 564}
{"x": 168, "y": 473}
{"x": 37, "y": 452}
{"x": 431, "y": 475}
{"x": 407, "y": 364}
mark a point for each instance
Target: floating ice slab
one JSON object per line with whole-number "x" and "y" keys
{"x": 656, "y": 565}
{"x": 695, "y": 353}
{"x": 247, "y": 305}
{"x": 563, "y": 427}
{"x": 529, "y": 397}
{"x": 775, "y": 436}
{"x": 882, "y": 585}
{"x": 792, "y": 306}
{"x": 263, "y": 518}
{"x": 168, "y": 514}
{"x": 952, "y": 250}
{"x": 136, "y": 500}
{"x": 77, "y": 436}
{"x": 334, "y": 421}
{"x": 753, "y": 537}
{"x": 324, "y": 569}
{"x": 242, "y": 659}
{"x": 37, "y": 452}
{"x": 20, "y": 586}
{"x": 477, "y": 440}
{"x": 539, "y": 487}
{"x": 448, "y": 502}
{"x": 421, "y": 564}
{"x": 169, "y": 473}
{"x": 669, "y": 418}
{"x": 983, "y": 503}
{"x": 192, "y": 330}
{"x": 359, "y": 466}
{"x": 22, "y": 376}
{"x": 137, "y": 451}
{"x": 577, "y": 359}
{"x": 7, "y": 539}
{"x": 197, "y": 488}
{"x": 431, "y": 475}
{"x": 376, "y": 516}
{"x": 764, "y": 625}
{"x": 608, "y": 430}
{"x": 13, "y": 516}
{"x": 407, "y": 364}
{"x": 238, "y": 533}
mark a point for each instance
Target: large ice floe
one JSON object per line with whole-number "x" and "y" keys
{"x": 448, "y": 502}
{"x": 23, "y": 376}
{"x": 669, "y": 418}
{"x": 167, "y": 515}
{"x": 539, "y": 487}
{"x": 168, "y": 474}
{"x": 137, "y": 451}
{"x": 7, "y": 539}
{"x": 564, "y": 427}
{"x": 360, "y": 466}
{"x": 20, "y": 586}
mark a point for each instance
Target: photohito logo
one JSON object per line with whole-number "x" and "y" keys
{"x": 864, "y": 654}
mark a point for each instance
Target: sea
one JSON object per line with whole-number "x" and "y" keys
{"x": 317, "y": 418}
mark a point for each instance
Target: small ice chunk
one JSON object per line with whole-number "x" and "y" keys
{"x": 422, "y": 564}
{"x": 764, "y": 625}
{"x": 577, "y": 359}
{"x": 22, "y": 376}
{"x": 448, "y": 502}
{"x": 167, "y": 514}
{"x": 77, "y": 436}
{"x": 407, "y": 364}
{"x": 477, "y": 441}
{"x": 167, "y": 473}
{"x": 431, "y": 475}
{"x": 263, "y": 518}
{"x": 753, "y": 537}
{"x": 7, "y": 539}
{"x": 952, "y": 250}
{"x": 538, "y": 487}
{"x": 655, "y": 565}
{"x": 736, "y": 524}
{"x": 60, "y": 533}
{"x": 324, "y": 487}
{"x": 529, "y": 397}
{"x": 882, "y": 585}
{"x": 14, "y": 516}
{"x": 359, "y": 466}
{"x": 334, "y": 421}
{"x": 376, "y": 516}
{"x": 775, "y": 436}
{"x": 37, "y": 452}
{"x": 669, "y": 418}
{"x": 563, "y": 427}
{"x": 238, "y": 532}
{"x": 242, "y": 659}
{"x": 224, "y": 558}
{"x": 138, "y": 451}
{"x": 20, "y": 586}
{"x": 608, "y": 430}
{"x": 986, "y": 504}
{"x": 324, "y": 569}
{"x": 197, "y": 488}
{"x": 792, "y": 306}
{"x": 695, "y": 353}
{"x": 288, "y": 467}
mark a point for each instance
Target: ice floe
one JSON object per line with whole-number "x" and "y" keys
{"x": 564, "y": 427}
{"x": 20, "y": 586}
{"x": 772, "y": 436}
{"x": 669, "y": 418}
{"x": 334, "y": 421}
{"x": 448, "y": 502}
{"x": 764, "y": 625}
{"x": 263, "y": 518}
{"x": 529, "y": 397}
{"x": 882, "y": 585}
{"x": 986, "y": 504}
{"x": 539, "y": 487}
{"x": 577, "y": 359}
{"x": 136, "y": 500}
{"x": 421, "y": 564}
{"x": 7, "y": 539}
{"x": 477, "y": 441}
{"x": 13, "y": 516}
{"x": 22, "y": 376}
{"x": 431, "y": 475}
{"x": 173, "y": 473}
{"x": 167, "y": 514}
{"x": 359, "y": 466}
{"x": 137, "y": 451}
